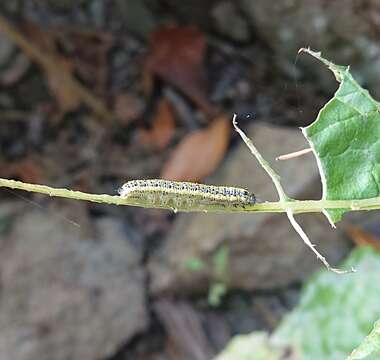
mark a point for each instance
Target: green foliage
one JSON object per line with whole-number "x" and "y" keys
{"x": 346, "y": 140}
{"x": 195, "y": 264}
{"x": 332, "y": 318}
{"x": 220, "y": 271}
{"x": 216, "y": 293}
{"x": 220, "y": 260}
{"x": 370, "y": 345}
{"x": 334, "y": 315}
{"x": 218, "y": 287}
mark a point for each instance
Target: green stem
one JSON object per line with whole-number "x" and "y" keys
{"x": 297, "y": 206}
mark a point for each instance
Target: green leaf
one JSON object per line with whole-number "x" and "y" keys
{"x": 195, "y": 264}
{"x": 335, "y": 312}
{"x": 220, "y": 260}
{"x": 216, "y": 293}
{"x": 370, "y": 345}
{"x": 345, "y": 139}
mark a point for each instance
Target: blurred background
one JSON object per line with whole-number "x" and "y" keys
{"x": 94, "y": 93}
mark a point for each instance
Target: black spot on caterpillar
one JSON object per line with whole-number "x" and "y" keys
{"x": 185, "y": 195}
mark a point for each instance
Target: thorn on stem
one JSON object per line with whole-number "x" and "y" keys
{"x": 294, "y": 154}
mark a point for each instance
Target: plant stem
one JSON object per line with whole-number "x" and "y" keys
{"x": 265, "y": 165}
{"x": 284, "y": 199}
{"x": 297, "y": 206}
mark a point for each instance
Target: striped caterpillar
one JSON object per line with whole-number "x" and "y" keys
{"x": 185, "y": 195}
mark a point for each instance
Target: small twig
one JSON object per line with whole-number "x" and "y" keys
{"x": 284, "y": 199}
{"x": 50, "y": 65}
{"x": 294, "y": 154}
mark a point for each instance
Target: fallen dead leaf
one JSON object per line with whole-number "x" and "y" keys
{"x": 199, "y": 153}
{"x": 27, "y": 171}
{"x": 66, "y": 98}
{"x": 177, "y": 56}
{"x": 163, "y": 126}
{"x": 361, "y": 237}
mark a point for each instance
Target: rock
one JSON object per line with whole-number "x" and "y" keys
{"x": 229, "y": 23}
{"x": 263, "y": 250}
{"x": 66, "y": 296}
{"x": 345, "y": 32}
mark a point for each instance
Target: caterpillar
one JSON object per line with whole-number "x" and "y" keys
{"x": 185, "y": 195}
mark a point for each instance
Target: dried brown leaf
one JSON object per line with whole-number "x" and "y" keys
{"x": 67, "y": 99}
{"x": 199, "y": 153}
{"x": 27, "y": 171}
{"x": 177, "y": 56}
{"x": 361, "y": 237}
{"x": 163, "y": 126}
